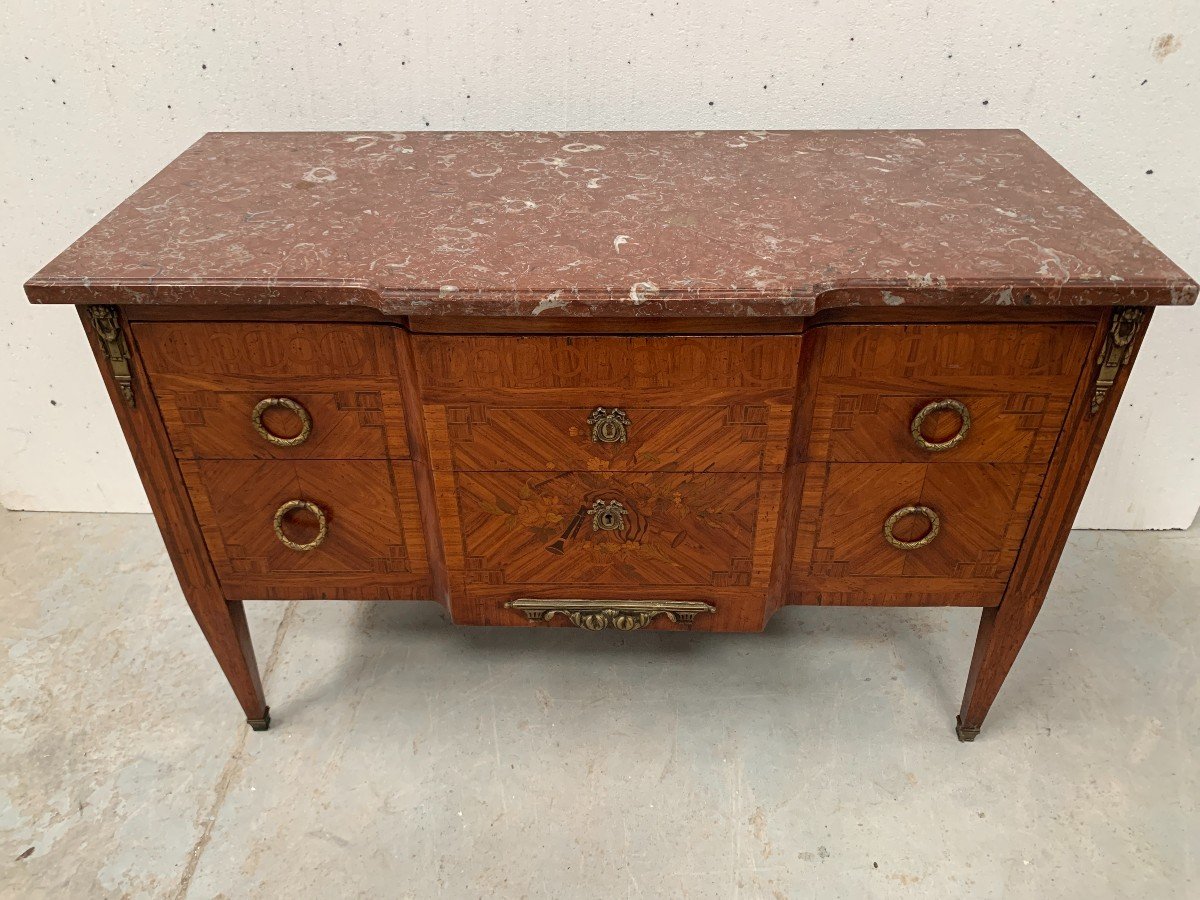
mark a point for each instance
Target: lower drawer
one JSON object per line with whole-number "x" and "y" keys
{"x": 911, "y": 533}
{"x": 317, "y": 529}
{"x": 603, "y": 530}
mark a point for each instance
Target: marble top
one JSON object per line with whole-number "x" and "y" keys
{"x": 614, "y": 223}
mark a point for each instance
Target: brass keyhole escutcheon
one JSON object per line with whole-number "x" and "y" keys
{"x": 608, "y": 515}
{"x": 918, "y": 423}
{"x": 935, "y": 524}
{"x": 309, "y": 507}
{"x": 256, "y": 419}
{"x": 609, "y": 426}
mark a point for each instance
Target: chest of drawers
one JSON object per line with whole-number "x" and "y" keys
{"x": 658, "y": 381}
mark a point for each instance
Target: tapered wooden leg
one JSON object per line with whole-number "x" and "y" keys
{"x": 224, "y": 626}
{"x": 1002, "y": 631}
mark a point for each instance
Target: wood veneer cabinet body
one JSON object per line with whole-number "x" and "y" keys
{"x": 499, "y": 373}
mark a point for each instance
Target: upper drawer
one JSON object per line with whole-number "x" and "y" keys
{"x": 266, "y": 349}
{"x": 701, "y": 438}
{"x": 505, "y": 403}
{"x": 942, "y": 393}
{"x": 605, "y": 371}
{"x": 277, "y": 390}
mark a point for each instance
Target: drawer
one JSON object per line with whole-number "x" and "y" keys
{"x": 362, "y": 523}
{"x": 276, "y": 390}
{"x": 597, "y": 531}
{"x": 730, "y": 438}
{"x": 264, "y": 350}
{"x": 280, "y": 419}
{"x": 586, "y": 372}
{"x": 942, "y": 393}
{"x": 847, "y": 552}
{"x": 622, "y": 404}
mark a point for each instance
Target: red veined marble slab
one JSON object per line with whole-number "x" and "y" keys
{"x": 615, "y": 224}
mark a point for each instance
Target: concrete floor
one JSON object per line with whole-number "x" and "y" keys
{"x": 409, "y": 758}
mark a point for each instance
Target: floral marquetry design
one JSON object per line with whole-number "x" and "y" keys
{"x": 670, "y": 529}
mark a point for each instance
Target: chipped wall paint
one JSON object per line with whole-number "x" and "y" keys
{"x": 98, "y": 97}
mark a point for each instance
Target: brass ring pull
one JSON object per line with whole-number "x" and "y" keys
{"x": 276, "y": 439}
{"x": 934, "y": 524}
{"x": 609, "y": 425}
{"x": 608, "y": 515}
{"x": 322, "y": 528}
{"x": 937, "y": 446}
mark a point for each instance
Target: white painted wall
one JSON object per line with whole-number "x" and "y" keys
{"x": 97, "y": 96}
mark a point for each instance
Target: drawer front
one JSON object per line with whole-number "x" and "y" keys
{"x": 266, "y": 349}
{"x": 598, "y": 531}
{"x": 604, "y": 371}
{"x": 276, "y": 390}
{"x": 943, "y": 393}
{"x": 651, "y": 404}
{"x": 846, "y": 553}
{"x": 363, "y": 521}
{"x": 730, "y": 438}
{"x": 282, "y": 419}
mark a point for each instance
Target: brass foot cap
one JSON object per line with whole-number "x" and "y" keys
{"x": 261, "y": 724}
{"x": 965, "y": 732}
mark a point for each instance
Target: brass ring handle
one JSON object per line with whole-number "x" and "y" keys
{"x": 935, "y": 523}
{"x": 608, "y": 515}
{"x": 322, "y": 528}
{"x": 609, "y": 426}
{"x": 937, "y": 446}
{"x": 286, "y": 403}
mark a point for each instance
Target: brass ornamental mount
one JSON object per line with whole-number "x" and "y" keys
{"x": 622, "y": 615}
{"x": 116, "y": 349}
{"x": 1118, "y": 347}
{"x": 609, "y": 426}
{"x": 918, "y": 421}
{"x": 608, "y": 515}
{"x": 322, "y": 527}
{"x": 283, "y": 403}
{"x": 935, "y": 523}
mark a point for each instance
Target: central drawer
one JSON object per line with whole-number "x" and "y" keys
{"x": 716, "y": 438}
{"x": 601, "y": 530}
{"x": 689, "y": 404}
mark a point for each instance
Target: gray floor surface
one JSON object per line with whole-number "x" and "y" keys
{"x": 409, "y": 758}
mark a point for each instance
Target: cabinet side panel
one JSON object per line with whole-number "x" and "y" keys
{"x": 223, "y": 623}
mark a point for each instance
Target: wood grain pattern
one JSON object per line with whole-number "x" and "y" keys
{"x": 209, "y": 418}
{"x": 984, "y": 509}
{"x": 875, "y": 426}
{"x": 535, "y": 528}
{"x": 728, "y": 438}
{"x": 979, "y": 357}
{"x": 266, "y": 349}
{"x": 374, "y": 549}
{"x": 605, "y": 371}
{"x": 422, "y": 469}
